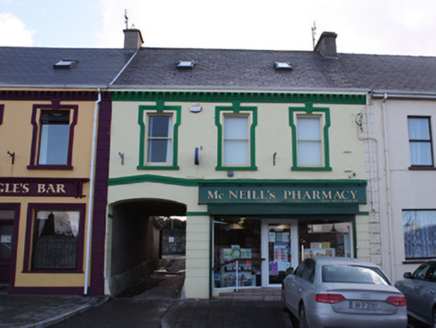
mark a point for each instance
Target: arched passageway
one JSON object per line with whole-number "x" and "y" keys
{"x": 135, "y": 240}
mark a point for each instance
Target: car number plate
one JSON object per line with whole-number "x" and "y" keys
{"x": 364, "y": 305}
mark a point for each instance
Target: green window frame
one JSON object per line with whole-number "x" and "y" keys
{"x": 144, "y": 114}
{"x": 221, "y": 112}
{"x": 309, "y": 111}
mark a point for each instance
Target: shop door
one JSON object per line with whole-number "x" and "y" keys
{"x": 6, "y": 230}
{"x": 280, "y": 250}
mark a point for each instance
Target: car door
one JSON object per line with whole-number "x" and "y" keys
{"x": 428, "y": 292}
{"x": 413, "y": 290}
{"x": 292, "y": 288}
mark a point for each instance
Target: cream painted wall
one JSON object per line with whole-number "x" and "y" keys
{"x": 273, "y": 134}
{"x": 197, "y": 257}
{"x": 408, "y": 189}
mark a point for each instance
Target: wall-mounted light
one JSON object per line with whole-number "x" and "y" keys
{"x": 122, "y": 157}
{"x": 196, "y": 109}
{"x": 12, "y": 155}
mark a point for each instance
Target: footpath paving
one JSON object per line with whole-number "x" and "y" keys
{"x": 157, "y": 302}
{"x": 39, "y": 311}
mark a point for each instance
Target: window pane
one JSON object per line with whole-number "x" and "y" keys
{"x": 56, "y": 240}
{"x": 235, "y": 127}
{"x": 160, "y": 144}
{"x": 419, "y": 129}
{"x": 159, "y": 151}
{"x": 420, "y": 153}
{"x": 309, "y": 128}
{"x": 309, "y": 152}
{"x": 54, "y": 144}
{"x": 419, "y": 229}
{"x": 236, "y": 152}
{"x": 160, "y": 126}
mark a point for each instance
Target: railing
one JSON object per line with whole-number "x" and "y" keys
{"x": 252, "y": 259}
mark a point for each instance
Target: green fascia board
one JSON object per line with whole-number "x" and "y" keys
{"x": 229, "y": 182}
{"x": 242, "y": 97}
{"x": 159, "y": 108}
{"x": 282, "y": 209}
{"x": 236, "y": 109}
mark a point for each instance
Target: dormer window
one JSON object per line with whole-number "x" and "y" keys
{"x": 66, "y": 63}
{"x": 186, "y": 64}
{"x": 283, "y": 66}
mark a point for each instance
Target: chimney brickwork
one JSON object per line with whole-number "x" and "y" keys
{"x": 327, "y": 45}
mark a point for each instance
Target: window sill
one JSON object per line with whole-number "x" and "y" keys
{"x": 417, "y": 261}
{"x": 422, "y": 168}
{"x": 157, "y": 167}
{"x": 54, "y": 271}
{"x": 49, "y": 167}
{"x": 236, "y": 168}
{"x": 309, "y": 168}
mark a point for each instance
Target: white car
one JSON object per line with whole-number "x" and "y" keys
{"x": 342, "y": 292}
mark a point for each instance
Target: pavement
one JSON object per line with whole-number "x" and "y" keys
{"x": 42, "y": 310}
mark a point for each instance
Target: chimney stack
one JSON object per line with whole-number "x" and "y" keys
{"x": 132, "y": 39}
{"x": 327, "y": 45}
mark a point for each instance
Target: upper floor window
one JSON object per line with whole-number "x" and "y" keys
{"x": 236, "y": 138}
{"x": 310, "y": 138}
{"x": 53, "y": 134}
{"x": 420, "y": 143}
{"x": 309, "y": 150}
{"x": 159, "y": 137}
{"x": 53, "y": 140}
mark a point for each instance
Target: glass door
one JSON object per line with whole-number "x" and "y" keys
{"x": 279, "y": 248}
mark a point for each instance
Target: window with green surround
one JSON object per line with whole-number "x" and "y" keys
{"x": 236, "y": 137}
{"x": 159, "y": 135}
{"x": 310, "y": 138}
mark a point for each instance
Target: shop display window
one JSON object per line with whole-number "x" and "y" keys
{"x": 325, "y": 239}
{"x": 237, "y": 252}
{"x": 55, "y": 242}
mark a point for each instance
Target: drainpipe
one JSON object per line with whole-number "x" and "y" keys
{"x": 91, "y": 192}
{"x": 388, "y": 185}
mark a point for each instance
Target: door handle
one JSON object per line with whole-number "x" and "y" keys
{"x": 432, "y": 291}
{"x": 300, "y": 289}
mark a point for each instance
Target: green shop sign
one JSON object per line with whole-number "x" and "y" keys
{"x": 353, "y": 194}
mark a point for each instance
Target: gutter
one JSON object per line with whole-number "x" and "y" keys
{"x": 91, "y": 193}
{"x": 388, "y": 184}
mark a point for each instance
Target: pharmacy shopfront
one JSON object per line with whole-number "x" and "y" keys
{"x": 260, "y": 230}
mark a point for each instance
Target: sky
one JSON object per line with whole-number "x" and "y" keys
{"x": 393, "y": 27}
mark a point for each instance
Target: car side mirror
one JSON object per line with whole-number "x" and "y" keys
{"x": 289, "y": 271}
{"x": 407, "y": 275}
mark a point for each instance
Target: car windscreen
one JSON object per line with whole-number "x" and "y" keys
{"x": 353, "y": 274}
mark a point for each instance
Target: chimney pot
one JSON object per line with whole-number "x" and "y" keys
{"x": 326, "y": 45}
{"x": 132, "y": 39}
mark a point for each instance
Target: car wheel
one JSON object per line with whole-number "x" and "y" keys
{"x": 302, "y": 323}
{"x": 283, "y": 301}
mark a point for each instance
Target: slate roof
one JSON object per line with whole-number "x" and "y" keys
{"x": 216, "y": 69}
{"x": 22, "y": 66}
{"x": 254, "y": 69}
